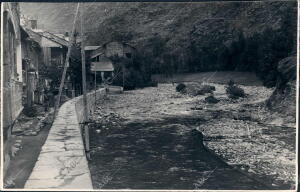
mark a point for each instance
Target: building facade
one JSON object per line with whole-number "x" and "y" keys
{"x": 31, "y": 59}
{"x": 107, "y": 59}
{"x": 12, "y": 85}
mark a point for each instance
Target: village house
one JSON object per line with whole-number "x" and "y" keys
{"x": 54, "y": 48}
{"x": 100, "y": 58}
{"x": 103, "y": 65}
{"x": 31, "y": 59}
{"x": 12, "y": 73}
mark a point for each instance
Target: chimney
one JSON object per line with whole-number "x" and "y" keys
{"x": 33, "y": 24}
{"x": 66, "y": 35}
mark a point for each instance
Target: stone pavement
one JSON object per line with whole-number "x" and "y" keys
{"x": 62, "y": 163}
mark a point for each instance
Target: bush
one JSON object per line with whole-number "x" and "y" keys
{"x": 181, "y": 88}
{"x": 233, "y": 91}
{"x": 30, "y": 111}
{"x": 206, "y": 89}
{"x": 211, "y": 99}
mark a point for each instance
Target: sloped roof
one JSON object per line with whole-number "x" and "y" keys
{"x": 91, "y": 48}
{"x": 37, "y": 37}
{"x": 54, "y": 38}
{"x": 32, "y": 35}
{"x": 97, "y": 52}
{"x": 62, "y": 36}
{"x": 37, "y": 34}
{"x": 121, "y": 42}
{"x": 100, "y": 49}
{"x": 104, "y": 64}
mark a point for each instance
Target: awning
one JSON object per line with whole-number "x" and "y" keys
{"x": 103, "y": 65}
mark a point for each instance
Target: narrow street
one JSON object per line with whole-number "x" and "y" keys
{"x": 148, "y": 139}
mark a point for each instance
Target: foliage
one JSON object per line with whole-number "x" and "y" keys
{"x": 153, "y": 83}
{"x": 135, "y": 73}
{"x": 230, "y": 82}
{"x": 211, "y": 99}
{"x": 75, "y": 68}
{"x": 124, "y": 36}
{"x": 51, "y": 72}
{"x": 233, "y": 91}
{"x": 181, "y": 87}
{"x": 205, "y": 89}
{"x": 259, "y": 52}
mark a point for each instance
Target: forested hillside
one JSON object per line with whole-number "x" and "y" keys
{"x": 187, "y": 37}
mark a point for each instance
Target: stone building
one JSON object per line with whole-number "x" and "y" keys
{"x": 12, "y": 72}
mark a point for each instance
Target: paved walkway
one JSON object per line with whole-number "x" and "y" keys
{"x": 62, "y": 162}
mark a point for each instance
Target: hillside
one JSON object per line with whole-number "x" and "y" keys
{"x": 188, "y": 37}
{"x": 139, "y": 22}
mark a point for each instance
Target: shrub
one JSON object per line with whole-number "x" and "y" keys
{"x": 233, "y": 91}
{"x": 181, "y": 88}
{"x": 211, "y": 99}
{"x": 206, "y": 89}
{"x": 230, "y": 82}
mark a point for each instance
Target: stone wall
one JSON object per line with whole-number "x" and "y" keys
{"x": 90, "y": 103}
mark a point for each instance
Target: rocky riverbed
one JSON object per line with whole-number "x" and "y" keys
{"x": 242, "y": 132}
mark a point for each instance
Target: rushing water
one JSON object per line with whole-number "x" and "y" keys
{"x": 163, "y": 154}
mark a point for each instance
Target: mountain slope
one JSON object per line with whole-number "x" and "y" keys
{"x": 141, "y": 21}
{"x": 180, "y": 35}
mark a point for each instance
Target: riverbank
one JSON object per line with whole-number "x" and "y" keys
{"x": 240, "y": 132}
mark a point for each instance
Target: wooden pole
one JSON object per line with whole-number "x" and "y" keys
{"x": 28, "y": 103}
{"x": 85, "y": 115}
{"x": 123, "y": 71}
{"x": 123, "y": 68}
{"x": 66, "y": 62}
{"x": 95, "y": 89}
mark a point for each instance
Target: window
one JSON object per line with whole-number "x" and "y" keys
{"x": 12, "y": 49}
{"x": 96, "y": 59}
{"x": 56, "y": 56}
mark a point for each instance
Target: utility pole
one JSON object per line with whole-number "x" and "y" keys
{"x": 85, "y": 111}
{"x": 28, "y": 85}
{"x": 66, "y": 62}
{"x": 123, "y": 69}
{"x": 123, "y": 77}
{"x": 95, "y": 88}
